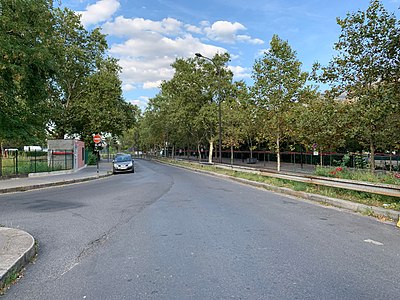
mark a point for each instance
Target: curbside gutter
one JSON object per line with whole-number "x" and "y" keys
{"x": 17, "y": 249}
{"x": 340, "y": 203}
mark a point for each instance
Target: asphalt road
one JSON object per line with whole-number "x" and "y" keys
{"x": 168, "y": 233}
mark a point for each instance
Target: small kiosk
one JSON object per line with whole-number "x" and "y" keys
{"x": 66, "y": 154}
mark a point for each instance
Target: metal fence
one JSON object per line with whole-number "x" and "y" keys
{"x": 14, "y": 162}
{"x": 383, "y": 161}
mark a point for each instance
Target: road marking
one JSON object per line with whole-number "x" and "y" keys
{"x": 373, "y": 242}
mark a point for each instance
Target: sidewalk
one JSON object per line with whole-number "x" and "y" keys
{"x": 41, "y": 180}
{"x": 17, "y": 247}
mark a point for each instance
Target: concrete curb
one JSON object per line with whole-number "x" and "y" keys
{"x": 50, "y": 184}
{"x": 16, "y": 251}
{"x": 42, "y": 174}
{"x": 62, "y": 172}
{"x": 340, "y": 203}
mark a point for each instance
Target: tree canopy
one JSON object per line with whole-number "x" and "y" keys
{"x": 56, "y": 78}
{"x": 366, "y": 70}
{"x": 282, "y": 110}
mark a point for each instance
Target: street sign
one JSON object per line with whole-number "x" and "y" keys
{"x": 97, "y": 139}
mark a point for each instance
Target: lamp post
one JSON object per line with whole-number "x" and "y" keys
{"x": 219, "y": 107}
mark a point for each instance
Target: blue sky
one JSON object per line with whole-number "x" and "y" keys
{"x": 148, "y": 35}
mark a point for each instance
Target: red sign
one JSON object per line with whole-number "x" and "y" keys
{"x": 97, "y": 139}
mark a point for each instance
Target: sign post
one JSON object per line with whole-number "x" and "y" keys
{"x": 97, "y": 142}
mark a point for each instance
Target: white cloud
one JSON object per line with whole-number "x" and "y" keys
{"x": 155, "y": 46}
{"x": 224, "y": 31}
{"x": 136, "y": 102}
{"x": 148, "y": 59}
{"x": 101, "y": 11}
{"x": 133, "y": 27}
{"x": 240, "y": 72}
{"x": 152, "y": 84}
{"x": 149, "y": 47}
{"x": 205, "y": 23}
{"x": 248, "y": 39}
{"x": 128, "y": 87}
{"x": 193, "y": 29}
{"x": 141, "y": 102}
{"x": 141, "y": 71}
{"x": 261, "y": 52}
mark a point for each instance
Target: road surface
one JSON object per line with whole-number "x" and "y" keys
{"x": 169, "y": 233}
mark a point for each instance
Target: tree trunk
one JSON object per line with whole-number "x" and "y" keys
{"x": 372, "y": 158}
{"x": 210, "y": 153}
{"x": 1, "y": 159}
{"x": 278, "y": 154}
{"x": 173, "y": 152}
{"x": 199, "y": 152}
{"x": 232, "y": 155}
{"x": 321, "y": 159}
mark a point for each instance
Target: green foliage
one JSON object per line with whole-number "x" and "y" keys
{"x": 92, "y": 159}
{"x": 345, "y": 160}
{"x": 278, "y": 83}
{"x": 366, "y": 69}
{"x": 359, "y": 161}
{"x": 100, "y": 107}
{"x": 26, "y": 66}
{"x": 79, "y": 53}
{"x": 358, "y": 175}
{"x": 322, "y": 121}
{"x": 55, "y": 76}
{"x": 185, "y": 112}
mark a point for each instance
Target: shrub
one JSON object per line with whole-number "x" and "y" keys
{"x": 92, "y": 159}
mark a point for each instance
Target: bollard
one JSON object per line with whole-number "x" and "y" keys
{"x": 398, "y": 221}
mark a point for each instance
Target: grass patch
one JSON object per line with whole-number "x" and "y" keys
{"x": 8, "y": 281}
{"x": 26, "y": 166}
{"x": 358, "y": 175}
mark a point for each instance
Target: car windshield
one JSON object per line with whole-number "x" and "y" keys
{"x": 123, "y": 158}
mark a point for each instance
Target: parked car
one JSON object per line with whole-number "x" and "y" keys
{"x": 123, "y": 163}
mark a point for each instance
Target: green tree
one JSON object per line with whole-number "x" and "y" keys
{"x": 322, "y": 121}
{"x": 26, "y": 66}
{"x": 80, "y": 53}
{"x": 236, "y": 113}
{"x": 183, "y": 100}
{"x": 366, "y": 69}
{"x": 216, "y": 85}
{"x": 278, "y": 81}
{"x": 191, "y": 97}
{"x": 151, "y": 127}
{"x": 100, "y": 107}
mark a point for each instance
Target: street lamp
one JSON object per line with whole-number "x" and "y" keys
{"x": 219, "y": 106}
